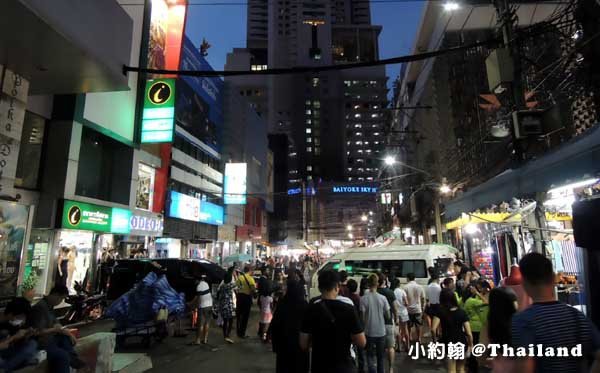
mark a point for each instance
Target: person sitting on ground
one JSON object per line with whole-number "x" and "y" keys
{"x": 17, "y": 347}
{"x": 52, "y": 337}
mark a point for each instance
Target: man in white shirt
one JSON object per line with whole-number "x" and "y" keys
{"x": 433, "y": 300}
{"x": 205, "y": 304}
{"x": 415, "y": 296}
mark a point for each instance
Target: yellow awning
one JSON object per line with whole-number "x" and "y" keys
{"x": 499, "y": 217}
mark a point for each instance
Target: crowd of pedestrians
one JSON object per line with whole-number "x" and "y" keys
{"x": 362, "y": 326}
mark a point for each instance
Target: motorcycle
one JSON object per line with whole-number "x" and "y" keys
{"x": 84, "y": 306}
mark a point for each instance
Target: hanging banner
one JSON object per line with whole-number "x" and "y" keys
{"x": 158, "y": 116}
{"x": 13, "y": 102}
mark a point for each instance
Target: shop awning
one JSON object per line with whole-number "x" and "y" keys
{"x": 498, "y": 217}
{"x": 575, "y": 160}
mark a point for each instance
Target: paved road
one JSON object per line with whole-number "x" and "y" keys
{"x": 174, "y": 355}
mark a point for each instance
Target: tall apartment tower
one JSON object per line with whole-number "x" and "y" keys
{"x": 318, "y": 112}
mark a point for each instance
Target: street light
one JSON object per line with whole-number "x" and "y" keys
{"x": 451, "y": 6}
{"x": 390, "y": 160}
{"x": 445, "y": 189}
{"x": 349, "y": 227}
{"x": 350, "y": 235}
{"x": 364, "y": 218}
{"x": 371, "y": 213}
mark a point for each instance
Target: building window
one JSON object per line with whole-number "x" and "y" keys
{"x": 309, "y": 149}
{"x": 144, "y": 195}
{"x": 30, "y": 151}
{"x": 315, "y": 82}
{"x": 309, "y": 139}
{"x": 308, "y": 168}
{"x": 317, "y": 150}
{"x": 308, "y": 121}
{"x": 317, "y": 104}
{"x": 308, "y": 130}
{"x": 308, "y": 112}
{"x": 357, "y": 115}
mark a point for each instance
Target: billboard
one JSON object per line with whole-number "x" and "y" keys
{"x": 193, "y": 115}
{"x": 90, "y": 217}
{"x": 191, "y": 208}
{"x": 208, "y": 89}
{"x": 158, "y": 115}
{"x": 235, "y": 183}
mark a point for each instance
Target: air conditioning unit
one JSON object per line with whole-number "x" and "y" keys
{"x": 527, "y": 123}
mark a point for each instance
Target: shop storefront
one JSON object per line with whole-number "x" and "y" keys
{"x": 13, "y": 233}
{"x": 86, "y": 231}
{"x": 144, "y": 227}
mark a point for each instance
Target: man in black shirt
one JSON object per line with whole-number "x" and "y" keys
{"x": 331, "y": 326}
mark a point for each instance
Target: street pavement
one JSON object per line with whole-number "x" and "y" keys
{"x": 175, "y": 355}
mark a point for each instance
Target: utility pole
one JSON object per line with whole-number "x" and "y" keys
{"x": 505, "y": 20}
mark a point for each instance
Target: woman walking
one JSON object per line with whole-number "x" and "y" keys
{"x": 503, "y": 305}
{"x": 226, "y": 305}
{"x": 455, "y": 327}
{"x": 402, "y": 337}
{"x": 285, "y": 331}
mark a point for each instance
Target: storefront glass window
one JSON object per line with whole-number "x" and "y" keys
{"x": 12, "y": 233}
{"x": 145, "y": 187}
{"x": 38, "y": 257}
{"x": 75, "y": 255}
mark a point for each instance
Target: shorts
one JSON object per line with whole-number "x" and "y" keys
{"x": 390, "y": 336}
{"x": 433, "y": 310}
{"x": 415, "y": 319}
{"x": 403, "y": 315}
{"x": 204, "y": 315}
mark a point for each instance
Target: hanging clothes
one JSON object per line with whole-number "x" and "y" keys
{"x": 557, "y": 256}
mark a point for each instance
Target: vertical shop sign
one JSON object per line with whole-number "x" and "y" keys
{"x": 12, "y": 235}
{"x": 13, "y": 101}
{"x": 158, "y": 115}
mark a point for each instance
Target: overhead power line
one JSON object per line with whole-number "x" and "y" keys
{"x": 315, "y": 69}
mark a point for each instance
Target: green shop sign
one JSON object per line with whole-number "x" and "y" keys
{"x": 90, "y": 217}
{"x": 158, "y": 115}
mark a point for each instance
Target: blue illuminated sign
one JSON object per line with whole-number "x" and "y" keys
{"x": 211, "y": 213}
{"x": 191, "y": 208}
{"x": 354, "y": 189}
{"x": 294, "y": 191}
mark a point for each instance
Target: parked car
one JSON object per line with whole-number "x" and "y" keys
{"x": 182, "y": 274}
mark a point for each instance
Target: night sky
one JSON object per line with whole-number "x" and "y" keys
{"x": 224, "y": 27}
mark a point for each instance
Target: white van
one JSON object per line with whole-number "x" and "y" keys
{"x": 395, "y": 259}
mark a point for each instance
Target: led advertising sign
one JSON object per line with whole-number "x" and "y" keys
{"x": 90, "y": 217}
{"x": 158, "y": 116}
{"x": 235, "y": 183}
{"x": 294, "y": 191}
{"x": 191, "y": 208}
{"x": 354, "y": 189}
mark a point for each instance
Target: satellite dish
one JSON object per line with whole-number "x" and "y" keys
{"x": 523, "y": 211}
{"x": 500, "y": 130}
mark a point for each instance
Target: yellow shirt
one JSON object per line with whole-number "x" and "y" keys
{"x": 246, "y": 284}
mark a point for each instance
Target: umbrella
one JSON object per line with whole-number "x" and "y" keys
{"x": 239, "y": 258}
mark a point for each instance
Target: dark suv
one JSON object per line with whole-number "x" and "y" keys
{"x": 182, "y": 274}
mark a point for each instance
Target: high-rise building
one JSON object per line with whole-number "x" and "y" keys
{"x": 316, "y": 111}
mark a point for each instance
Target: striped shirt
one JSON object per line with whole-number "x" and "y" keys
{"x": 555, "y": 324}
